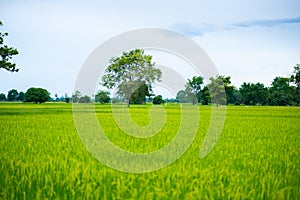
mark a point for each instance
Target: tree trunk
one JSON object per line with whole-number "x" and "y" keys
{"x": 128, "y": 103}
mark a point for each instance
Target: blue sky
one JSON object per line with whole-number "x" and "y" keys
{"x": 252, "y": 41}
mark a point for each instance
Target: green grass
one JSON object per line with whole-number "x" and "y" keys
{"x": 256, "y": 157}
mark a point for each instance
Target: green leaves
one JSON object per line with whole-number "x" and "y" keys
{"x": 6, "y": 54}
{"x": 37, "y": 95}
{"x": 129, "y": 72}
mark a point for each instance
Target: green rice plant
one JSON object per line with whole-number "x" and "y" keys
{"x": 256, "y": 156}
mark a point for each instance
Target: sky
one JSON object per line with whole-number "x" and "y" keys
{"x": 251, "y": 41}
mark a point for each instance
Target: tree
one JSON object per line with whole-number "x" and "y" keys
{"x": 102, "y": 96}
{"x": 21, "y": 96}
{"x": 129, "y": 72}
{"x": 76, "y": 96}
{"x": 85, "y": 99}
{"x": 281, "y": 93}
{"x": 37, "y": 95}
{"x": 182, "y": 97}
{"x": 217, "y": 88}
{"x": 205, "y": 96}
{"x": 253, "y": 94}
{"x": 193, "y": 89}
{"x": 12, "y": 95}
{"x": 296, "y": 79}
{"x": 6, "y": 54}
{"x": 56, "y": 97}
{"x": 2, "y": 97}
{"x": 140, "y": 94}
{"x": 158, "y": 100}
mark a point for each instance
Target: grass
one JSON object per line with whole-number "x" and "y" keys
{"x": 42, "y": 156}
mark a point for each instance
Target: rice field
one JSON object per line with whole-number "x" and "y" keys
{"x": 256, "y": 156}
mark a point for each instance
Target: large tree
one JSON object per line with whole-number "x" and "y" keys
{"x": 6, "y": 54}
{"x": 37, "y": 95}
{"x": 129, "y": 72}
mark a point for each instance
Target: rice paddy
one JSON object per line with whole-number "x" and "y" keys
{"x": 256, "y": 156}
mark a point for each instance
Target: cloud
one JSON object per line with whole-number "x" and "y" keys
{"x": 268, "y": 22}
{"x": 191, "y": 29}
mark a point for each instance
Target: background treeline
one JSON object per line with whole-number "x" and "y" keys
{"x": 283, "y": 91}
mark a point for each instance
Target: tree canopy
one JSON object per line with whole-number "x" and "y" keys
{"x": 158, "y": 100}
{"x": 102, "y": 97}
{"x": 6, "y": 54}
{"x": 37, "y": 95}
{"x": 129, "y": 72}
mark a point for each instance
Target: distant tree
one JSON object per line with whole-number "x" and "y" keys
{"x": 6, "y": 54}
{"x": 76, "y": 96}
{"x": 21, "y": 96}
{"x": 102, "y": 96}
{"x": 233, "y": 96}
{"x": 205, "y": 96}
{"x": 67, "y": 99}
{"x": 296, "y": 79}
{"x": 158, "y": 100}
{"x": 85, "y": 99}
{"x": 281, "y": 93}
{"x": 37, "y": 95}
{"x": 171, "y": 100}
{"x": 56, "y": 97}
{"x": 12, "y": 95}
{"x": 217, "y": 91}
{"x": 116, "y": 100}
{"x": 182, "y": 97}
{"x": 130, "y": 71}
{"x": 2, "y": 97}
{"x": 193, "y": 88}
{"x": 253, "y": 94}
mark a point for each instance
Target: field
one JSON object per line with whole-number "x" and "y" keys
{"x": 256, "y": 156}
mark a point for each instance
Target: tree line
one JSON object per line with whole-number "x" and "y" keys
{"x": 283, "y": 91}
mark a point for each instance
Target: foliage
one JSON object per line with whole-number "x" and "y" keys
{"x": 281, "y": 93}
{"x": 254, "y": 94}
{"x": 129, "y": 72}
{"x": 217, "y": 91}
{"x": 12, "y": 95}
{"x": 102, "y": 96}
{"x": 76, "y": 96}
{"x": 21, "y": 96}
{"x": 296, "y": 79}
{"x": 140, "y": 94}
{"x": 158, "y": 99}
{"x": 85, "y": 99}
{"x": 2, "y": 97}
{"x": 182, "y": 97}
{"x": 6, "y": 54}
{"x": 37, "y": 95}
{"x": 42, "y": 157}
{"x": 193, "y": 89}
